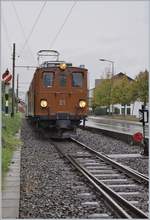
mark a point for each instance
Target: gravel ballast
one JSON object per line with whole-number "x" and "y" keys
{"x": 50, "y": 187}
{"x": 142, "y": 198}
{"x": 108, "y": 145}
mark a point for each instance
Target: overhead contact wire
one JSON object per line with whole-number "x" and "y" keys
{"x": 33, "y": 27}
{"x": 21, "y": 27}
{"x": 6, "y": 32}
{"x": 63, "y": 24}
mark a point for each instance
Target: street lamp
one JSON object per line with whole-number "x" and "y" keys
{"x": 112, "y": 72}
{"x": 112, "y": 63}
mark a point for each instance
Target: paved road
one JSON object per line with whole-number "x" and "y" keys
{"x": 121, "y": 126}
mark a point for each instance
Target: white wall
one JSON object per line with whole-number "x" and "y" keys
{"x": 134, "y": 107}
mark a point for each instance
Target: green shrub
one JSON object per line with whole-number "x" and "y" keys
{"x": 10, "y": 126}
{"x": 100, "y": 111}
{"x": 116, "y": 111}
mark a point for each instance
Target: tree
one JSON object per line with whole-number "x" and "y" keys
{"x": 141, "y": 86}
{"x": 121, "y": 92}
{"x": 102, "y": 93}
{"x": 133, "y": 93}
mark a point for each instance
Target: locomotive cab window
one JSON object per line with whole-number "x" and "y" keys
{"x": 63, "y": 79}
{"x": 48, "y": 78}
{"x": 77, "y": 79}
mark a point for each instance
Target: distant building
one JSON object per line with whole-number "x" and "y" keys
{"x": 121, "y": 75}
{"x": 22, "y": 95}
{"x": 131, "y": 109}
{"x": 97, "y": 82}
{"x": 115, "y": 77}
{"x": 90, "y": 97}
{"x": 21, "y": 105}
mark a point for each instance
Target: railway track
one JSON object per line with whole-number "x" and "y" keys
{"x": 121, "y": 186}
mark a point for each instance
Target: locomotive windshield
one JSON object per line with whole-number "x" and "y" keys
{"x": 48, "y": 78}
{"x": 63, "y": 79}
{"x": 77, "y": 79}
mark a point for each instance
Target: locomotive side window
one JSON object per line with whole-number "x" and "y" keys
{"x": 77, "y": 79}
{"x": 48, "y": 78}
{"x": 63, "y": 79}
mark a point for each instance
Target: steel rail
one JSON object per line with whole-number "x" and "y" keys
{"x": 122, "y": 213}
{"x": 135, "y": 212}
{"x": 128, "y": 171}
{"x": 119, "y": 211}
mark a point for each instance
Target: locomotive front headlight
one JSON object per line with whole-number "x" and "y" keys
{"x": 82, "y": 103}
{"x": 62, "y": 66}
{"x": 43, "y": 103}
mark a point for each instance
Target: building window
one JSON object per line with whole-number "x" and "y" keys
{"x": 122, "y": 111}
{"x": 63, "y": 79}
{"x": 48, "y": 78}
{"x": 128, "y": 111}
{"x": 77, "y": 79}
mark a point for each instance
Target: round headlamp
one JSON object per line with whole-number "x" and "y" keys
{"x": 43, "y": 103}
{"x": 82, "y": 103}
{"x": 62, "y": 66}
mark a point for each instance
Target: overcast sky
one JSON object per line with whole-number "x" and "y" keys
{"x": 113, "y": 30}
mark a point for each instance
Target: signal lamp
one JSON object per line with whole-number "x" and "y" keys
{"x": 62, "y": 66}
{"x": 43, "y": 103}
{"x": 82, "y": 103}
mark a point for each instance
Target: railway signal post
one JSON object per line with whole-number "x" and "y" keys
{"x": 17, "y": 98}
{"x": 144, "y": 119}
{"x": 6, "y": 77}
{"x": 13, "y": 81}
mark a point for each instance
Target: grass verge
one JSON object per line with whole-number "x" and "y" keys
{"x": 10, "y": 126}
{"x": 119, "y": 117}
{"x": 126, "y": 117}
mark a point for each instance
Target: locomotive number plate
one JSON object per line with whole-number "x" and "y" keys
{"x": 62, "y": 102}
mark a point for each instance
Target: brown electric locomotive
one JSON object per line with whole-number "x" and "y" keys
{"x": 57, "y": 96}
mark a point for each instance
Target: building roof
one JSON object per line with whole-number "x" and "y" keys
{"x": 120, "y": 75}
{"x": 116, "y": 76}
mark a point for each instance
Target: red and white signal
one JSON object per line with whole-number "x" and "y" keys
{"x": 7, "y": 76}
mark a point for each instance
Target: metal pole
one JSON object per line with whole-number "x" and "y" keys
{"x": 112, "y": 74}
{"x": 112, "y": 80}
{"x": 145, "y": 144}
{"x": 112, "y": 68}
{"x": 143, "y": 108}
{"x": 3, "y": 96}
{"x": 17, "y": 92}
{"x": 13, "y": 81}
